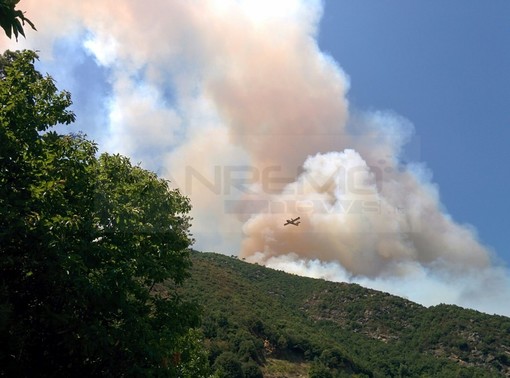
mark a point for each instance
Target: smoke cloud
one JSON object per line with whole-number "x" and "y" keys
{"x": 235, "y": 103}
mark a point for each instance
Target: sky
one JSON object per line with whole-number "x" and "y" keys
{"x": 443, "y": 66}
{"x": 382, "y": 125}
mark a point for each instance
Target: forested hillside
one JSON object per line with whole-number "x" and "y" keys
{"x": 294, "y": 326}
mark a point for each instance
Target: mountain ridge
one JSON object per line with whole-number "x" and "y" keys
{"x": 269, "y": 317}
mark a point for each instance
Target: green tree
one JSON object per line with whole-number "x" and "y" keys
{"x": 227, "y": 365}
{"x": 249, "y": 351}
{"x": 333, "y": 359}
{"x": 252, "y": 370}
{"x": 318, "y": 370}
{"x": 193, "y": 356}
{"x": 85, "y": 243}
{"x": 12, "y": 20}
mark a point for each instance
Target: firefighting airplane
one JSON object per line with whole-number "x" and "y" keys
{"x": 293, "y": 222}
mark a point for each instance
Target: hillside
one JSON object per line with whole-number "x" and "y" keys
{"x": 290, "y": 326}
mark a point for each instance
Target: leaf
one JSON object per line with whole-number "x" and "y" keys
{"x": 7, "y": 28}
{"x": 18, "y": 28}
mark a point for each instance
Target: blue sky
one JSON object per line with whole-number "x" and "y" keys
{"x": 443, "y": 65}
{"x": 243, "y": 86}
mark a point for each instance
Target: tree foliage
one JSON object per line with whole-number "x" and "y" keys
{"x": 12, "y": 20}
{"x": 84, "y": 241}
{"x": 317, "y": 370}
{"x": 228, "y": 366}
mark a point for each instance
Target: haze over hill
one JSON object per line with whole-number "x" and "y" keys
{"x": 240, "y": 108}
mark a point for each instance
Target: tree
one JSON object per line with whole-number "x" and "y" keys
{"x": 85, "y": 243}
{"x": 195, "y": 362}
{"x": 228, "y": 366}
{"x": 12, "y": 20}
{"x": 248, "y": 351}
{"x": 318, "y": 370}
{"x": 252, "y": 370}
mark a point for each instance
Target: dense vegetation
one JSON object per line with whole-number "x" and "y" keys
{"x": 83, "y": 241}
{"x": 294, "y": 326}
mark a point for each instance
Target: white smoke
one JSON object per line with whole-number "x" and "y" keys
{"x": 234, "y": 101}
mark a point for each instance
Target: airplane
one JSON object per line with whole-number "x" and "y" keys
{"x": 293, "y": 222}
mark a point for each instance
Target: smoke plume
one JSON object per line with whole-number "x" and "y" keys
{"x": 235, "y": 103}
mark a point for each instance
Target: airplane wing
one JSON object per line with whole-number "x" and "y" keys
{"x": 293, "y": 221}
